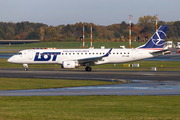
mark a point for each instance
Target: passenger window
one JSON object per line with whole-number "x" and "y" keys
{"x": 89, "y": 53}
{"x": 69, "y": 53}
{"x": 81, "y": 53}
{"x": 73, "y": 53}
{"x": 77, "y": 53}
{"x": 62, "y": 53}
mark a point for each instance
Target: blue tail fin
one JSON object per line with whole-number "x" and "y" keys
{"x": 157, "y": 40}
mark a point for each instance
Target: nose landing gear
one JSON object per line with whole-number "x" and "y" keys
{"x": 25, "y": 67}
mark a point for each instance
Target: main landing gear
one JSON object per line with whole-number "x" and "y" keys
{"x": 88, "y": 68}
{"x": 25, "y": 67}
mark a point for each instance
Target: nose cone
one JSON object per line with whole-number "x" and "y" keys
{"x": 10, "y": 60}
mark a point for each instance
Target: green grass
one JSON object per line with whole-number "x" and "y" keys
{"x": 68, "y": 45}
{"x": 34, "y": 83}
{"x": 90, "y": 107}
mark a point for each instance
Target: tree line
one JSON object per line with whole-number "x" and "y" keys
{"x": 145, "y": 27}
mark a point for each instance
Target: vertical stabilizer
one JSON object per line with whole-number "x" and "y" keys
{"x": 157, "y": 40}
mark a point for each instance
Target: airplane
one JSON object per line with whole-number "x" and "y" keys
{"x": 73, "y": 58}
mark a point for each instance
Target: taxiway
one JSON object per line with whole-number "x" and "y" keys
{"x": 93, "y": 75}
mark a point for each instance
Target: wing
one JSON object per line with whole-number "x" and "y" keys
{"x": 93, "y": 59}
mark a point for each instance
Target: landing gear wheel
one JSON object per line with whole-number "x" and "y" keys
{"x": 88, "y": 68}
{"x": 25, "y": 69}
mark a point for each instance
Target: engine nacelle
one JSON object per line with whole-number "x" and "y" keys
{"x": 69, "y": 64}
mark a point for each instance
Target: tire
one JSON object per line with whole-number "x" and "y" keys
{"x": 25, "y": 69}
{"x": 88, "y": 69}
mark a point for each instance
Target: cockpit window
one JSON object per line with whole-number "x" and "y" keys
{"x": 19, "y": 53}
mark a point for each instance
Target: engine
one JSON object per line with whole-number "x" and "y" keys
{"x": 69, "y": 64}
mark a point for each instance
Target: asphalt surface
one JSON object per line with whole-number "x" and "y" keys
{"x": 144, "y": 83}
{"x": 93, "y": 75}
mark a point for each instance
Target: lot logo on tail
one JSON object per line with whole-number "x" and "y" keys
{"x": 159, "y": 38}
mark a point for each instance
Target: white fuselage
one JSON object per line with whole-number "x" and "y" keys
{"x": 57, "y": 56}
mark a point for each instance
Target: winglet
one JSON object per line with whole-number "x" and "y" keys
{"x": 107, "y": 54}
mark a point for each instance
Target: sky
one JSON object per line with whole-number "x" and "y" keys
{"x": 99, "y": 12}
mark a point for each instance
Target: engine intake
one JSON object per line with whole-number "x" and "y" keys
{"x": 69, "y": 64}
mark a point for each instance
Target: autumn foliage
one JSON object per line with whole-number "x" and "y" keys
{"x": 72, "y": 32}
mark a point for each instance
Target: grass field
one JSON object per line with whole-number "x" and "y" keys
{"x": 63, "y": 45}
{"x": 90, "y": 108}
{"x": 35, "y": 83}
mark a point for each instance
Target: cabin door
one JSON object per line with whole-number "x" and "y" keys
{"x": 30, "y": 53}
